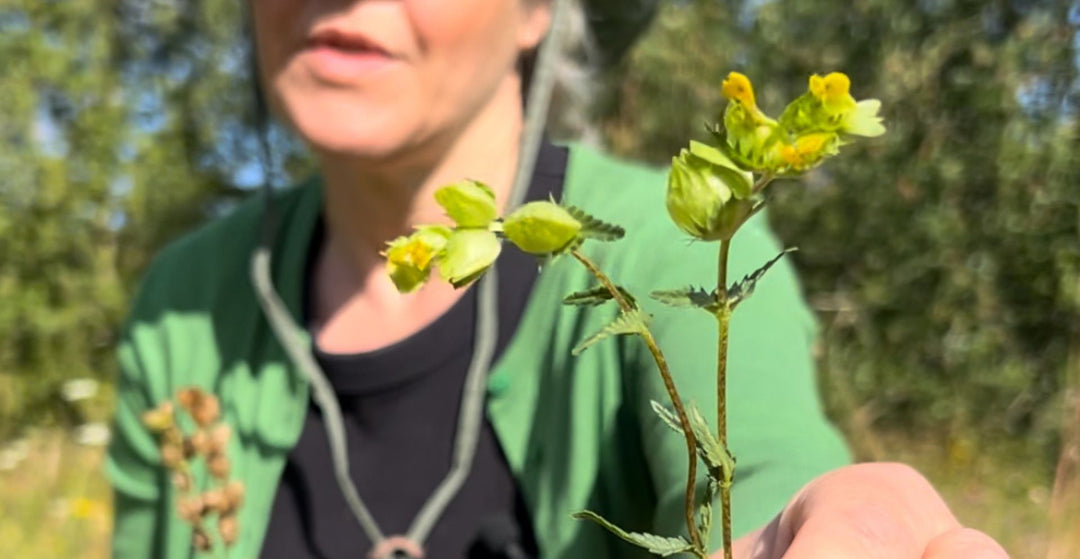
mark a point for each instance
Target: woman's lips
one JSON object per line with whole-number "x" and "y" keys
{"x": 344, "y": 58}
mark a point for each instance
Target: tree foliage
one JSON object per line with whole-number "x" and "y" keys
{"x": 124, "y": 123}
{"x": 943, "y": 261}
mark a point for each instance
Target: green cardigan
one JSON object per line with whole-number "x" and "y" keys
{"x": 578, "y": 432}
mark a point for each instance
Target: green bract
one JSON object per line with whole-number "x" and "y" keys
{"x": 409, "y": 259}
{"x": 471, "y": 204}
{"x": 541, "y": 228}
{"x": 708, "y": 197}
{"x": 468, "y": 253}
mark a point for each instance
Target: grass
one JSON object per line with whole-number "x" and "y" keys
{"x": 55, "y": 503}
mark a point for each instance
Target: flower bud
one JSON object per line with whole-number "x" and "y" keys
{"x": 409, "y": 259}
{"x": 471, "y": 204}
{"x": 541, "y": 228}
{"x": 701, "y": 196}
{"x": 468, "y": 254}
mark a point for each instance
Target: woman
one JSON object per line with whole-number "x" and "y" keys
{"x": 350, "y": 435}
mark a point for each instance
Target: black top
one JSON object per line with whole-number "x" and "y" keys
{"x": 400, "y": 407}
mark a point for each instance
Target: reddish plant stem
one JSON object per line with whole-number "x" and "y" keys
{"x": 673, "y": 394}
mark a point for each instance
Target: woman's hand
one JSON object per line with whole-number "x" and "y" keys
{"x": 867, "y": 511}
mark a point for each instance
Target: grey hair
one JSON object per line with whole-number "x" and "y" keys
{"x": 575, "y": 68}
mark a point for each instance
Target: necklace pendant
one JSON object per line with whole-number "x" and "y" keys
{"x": 397, "y": 547}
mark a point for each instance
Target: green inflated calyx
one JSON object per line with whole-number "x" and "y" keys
{"x": 708, "y": 197}
{"x": 470, "y": 203}
{"x": 468, "y": 254}
{"x": 542, "y": 228}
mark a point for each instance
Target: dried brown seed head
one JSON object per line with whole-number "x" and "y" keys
{"x": 172, "y": 456}
{"x": 198, "y": 444}
{"x": 182, "y": 482}
{"x": 219, "y": 466}
{"x": 229, "y": 529}
{"x": 202, "y": 406}
{"x": 200, "y": 540}
{"x": 214, "y": 500}
{"x": 234, "y": 494}
{"x": 191, "y": 509}
{"x": 219, "y": 438}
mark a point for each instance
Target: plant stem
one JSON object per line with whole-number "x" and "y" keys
{"x": 723, "y": 318}
{"x": 673, "y": 394}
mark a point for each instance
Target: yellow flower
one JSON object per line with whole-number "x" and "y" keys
{"x": 409, "y": 259}
{"x": 737, "y": 87}
{"x": 834, "y": 91}
{"x": 807, "y": 151}
{"x": 748, "y": 131}
{"x": 828, "y": 106}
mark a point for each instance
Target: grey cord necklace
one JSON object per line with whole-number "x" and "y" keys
{"x": 292, "y": 336}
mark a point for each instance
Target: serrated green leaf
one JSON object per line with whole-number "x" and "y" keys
{"x": 744, "y": 288}
{"x": 660, "y": 545}
{"x": 705, "y": 519}
{"x": 596, "y": 296}
{"x": 667, "y": 416}
{"x": 633, "y": 322}
{"x": 686, "y": 297}
{"x": 593, "y": 228}
{"x": 716, "y": 457}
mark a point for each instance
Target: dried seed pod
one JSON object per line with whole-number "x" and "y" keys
{"x": 214, "y": 500}
{"x": 198, "y": 444}
{"x": 182, "y": 482}
{"x": 191, "y": 509}
{"x": 229, "y": 529}
{"x": 219, "y": 466}
{"x": 202, "y": 406}
{"x": 234, "y": 494}
{"x": 172, "y": 456}
{"x": 187, "y": 398}
{"x": 200, "y": 540}
{"x": 219, "y": 439}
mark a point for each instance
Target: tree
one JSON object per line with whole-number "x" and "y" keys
{"x": 943, "y": 260}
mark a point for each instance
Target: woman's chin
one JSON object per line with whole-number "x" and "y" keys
{"x": 353, "y": 144}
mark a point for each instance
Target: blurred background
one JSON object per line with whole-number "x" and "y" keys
{"x": 943, "y": 259}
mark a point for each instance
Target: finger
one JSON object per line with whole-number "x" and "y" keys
{"x": 862, "y": 532}
{"x": 886, "y": 511}
{"x": 964, "y": 543}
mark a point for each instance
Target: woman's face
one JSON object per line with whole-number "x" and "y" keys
{"x": 373, "y": 77}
